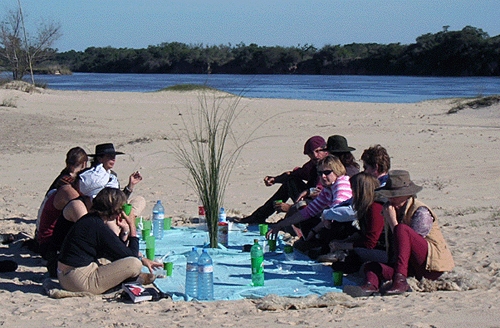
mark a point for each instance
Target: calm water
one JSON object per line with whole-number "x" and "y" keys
{"x": 400, "y": 89}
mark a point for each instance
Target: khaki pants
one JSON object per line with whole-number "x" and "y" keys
{"x": 98, "y": 279}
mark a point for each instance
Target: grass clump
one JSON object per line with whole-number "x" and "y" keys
{"x": 189, "y": 87}
{"x": 208, "y": 148}
{"x": 9, "y": 102}
{"x": 479, "y": 102}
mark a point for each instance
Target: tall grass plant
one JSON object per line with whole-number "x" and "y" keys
{"x": 208, "y": 149}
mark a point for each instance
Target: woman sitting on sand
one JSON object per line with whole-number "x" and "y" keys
{"x": 367, "y": 244}
{"x": 54, "y": 201}
{"x": 420, "y": 249}
{"x": 105, "y": 154}
{"x": 336, "y": 189}
{"x": 90, "y": 239}
{"x": 337, "y": 146}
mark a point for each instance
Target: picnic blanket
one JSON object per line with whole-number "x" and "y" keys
{"x": 232, "y": 271}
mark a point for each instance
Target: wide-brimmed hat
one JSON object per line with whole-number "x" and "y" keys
{"x": 338, "y": 144}
{"x": 313, "y": 143}
{"x": 399, "y": 184}
{"x": 105, "y": 149}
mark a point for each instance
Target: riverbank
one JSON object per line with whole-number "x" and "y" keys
{"x": 454, "y": 157}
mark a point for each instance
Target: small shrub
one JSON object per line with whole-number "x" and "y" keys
{"x": 9, "y": 102}
{"x": 189, "y": 87}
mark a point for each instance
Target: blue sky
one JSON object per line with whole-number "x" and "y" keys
{"x": 137, "y": 24}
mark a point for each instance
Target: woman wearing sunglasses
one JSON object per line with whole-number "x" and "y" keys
{"x": 336, "y": 189}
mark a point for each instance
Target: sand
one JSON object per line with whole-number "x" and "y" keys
{"x": 454, "y": 157}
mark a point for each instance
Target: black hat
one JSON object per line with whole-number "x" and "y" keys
{"x": 338, "y": 144}
{"x": 105, "y": 149}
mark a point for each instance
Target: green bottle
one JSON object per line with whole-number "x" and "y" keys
{"x": 257, "y": 256}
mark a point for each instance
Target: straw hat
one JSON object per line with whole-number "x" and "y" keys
{"x": 399, "y": 184}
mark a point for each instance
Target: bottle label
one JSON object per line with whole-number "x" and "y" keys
{"x": 158, "y": 216}
{"x": 257, "y": 265}
{"x": 190, "y": 267}
{"x": 205, "y": 268}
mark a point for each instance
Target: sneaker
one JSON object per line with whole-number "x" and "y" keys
{"x": 146, "y": 278}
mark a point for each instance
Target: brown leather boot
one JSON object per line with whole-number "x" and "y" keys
{"x": 399, "y": 285}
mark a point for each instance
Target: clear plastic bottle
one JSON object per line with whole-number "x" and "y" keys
{"x": 223, "y": 229}
{"x": 158, "y": 218}
{"x": 192, "y": 273}
{"x": 205, "y": 277}
{"x": 222, "y": 215}
{"x": 257, "y": 257}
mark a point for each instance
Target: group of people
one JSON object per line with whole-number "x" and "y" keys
{"x": 369, "y": 220}
{"x": 88, "y": 241}
{"x": 371, "y": 216}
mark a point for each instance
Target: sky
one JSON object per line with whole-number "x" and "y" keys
{"x": 140, "y": 23}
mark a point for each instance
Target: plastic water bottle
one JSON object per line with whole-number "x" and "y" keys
{"x": 192, "y": 273}
{"x": 158, "y": 218}
{"x": 223, "y": 229}
{"x": 222, "y": 215}
{"x": 257, "y": 257}
{"x": 205, "y": 277}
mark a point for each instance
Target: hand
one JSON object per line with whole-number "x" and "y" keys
{"x": 282, "y": 207}
{"x": 134, "y": 179}
{"x": 151, "y": 265}
{"x": 268, "y": 181}
{"x": 314, "y": 192}
{"x": 272, "y": 232}
{"x": 302, "y": 196}
{"x": 129, "y": 220}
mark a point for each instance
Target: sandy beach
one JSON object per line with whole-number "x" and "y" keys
{"x": 455, "y": 157}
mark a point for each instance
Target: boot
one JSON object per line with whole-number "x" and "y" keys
{"x": 399, "y": 285}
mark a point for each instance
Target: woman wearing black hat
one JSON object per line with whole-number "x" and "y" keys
{"x": 337, "y": 145}
{"x": 420, "y": 248}
{"x": 105, "y": 154}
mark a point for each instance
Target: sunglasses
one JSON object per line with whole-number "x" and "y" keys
{"x": 325, "y": 172}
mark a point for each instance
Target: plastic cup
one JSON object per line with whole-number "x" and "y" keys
{"x": 150, "y": 247}
{"x": 272, "y": 245}
{"x": 146, "y": 233}
{"x": 263, "y": 229}
{"x": 337, "y": 278}
{"x": 169, "y": 267}
{"x": 137, "y": 221}
{"x": 150, "y": 253}
{"x": 127, "y": 208}
{"x": 167, "y": 223}
{"x": 147, "y": 224}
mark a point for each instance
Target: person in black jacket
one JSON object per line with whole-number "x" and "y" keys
{"x": 90, "y": 239}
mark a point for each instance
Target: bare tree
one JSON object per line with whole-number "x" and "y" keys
{"x": 19, "y": 51}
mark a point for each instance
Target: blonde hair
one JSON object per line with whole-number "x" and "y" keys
{"x": 334, "y": 164}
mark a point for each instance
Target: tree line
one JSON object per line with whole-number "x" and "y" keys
{"x": 468, "y": 52}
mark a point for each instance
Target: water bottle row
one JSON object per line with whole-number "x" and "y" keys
{"x": 199, "y": 275}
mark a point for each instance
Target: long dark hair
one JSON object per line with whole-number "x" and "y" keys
{"x": 347, "y": 159}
